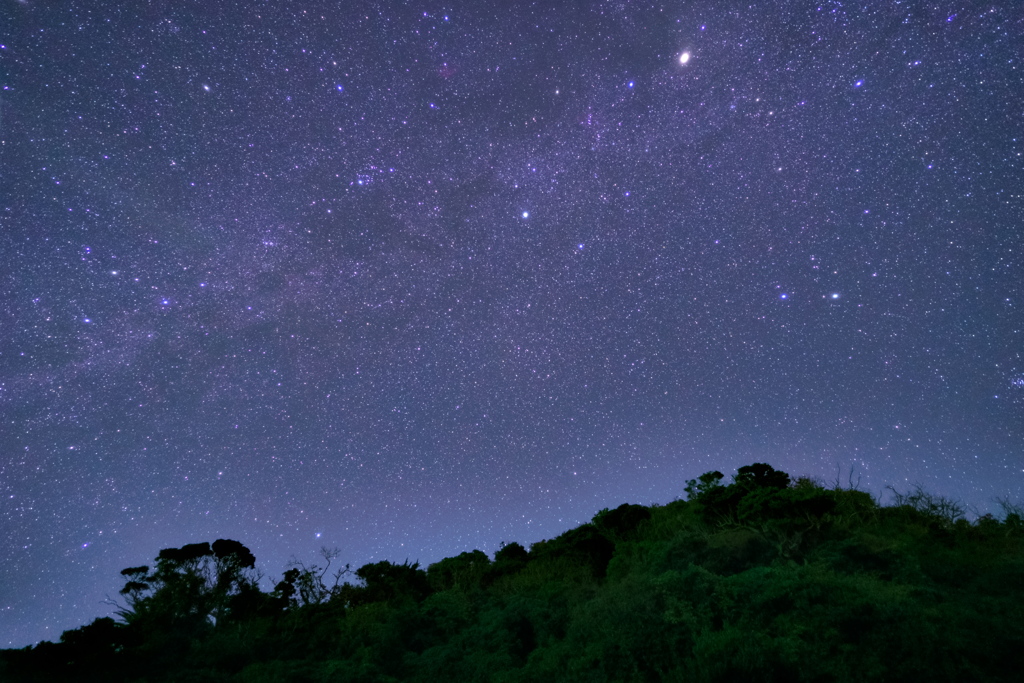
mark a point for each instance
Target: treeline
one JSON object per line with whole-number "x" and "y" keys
{"x": 760, "y": 579}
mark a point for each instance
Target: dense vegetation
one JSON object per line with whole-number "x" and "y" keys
{"x": 761, "y": 579}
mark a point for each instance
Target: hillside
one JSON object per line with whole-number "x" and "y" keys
{"x": 760, "y": 579}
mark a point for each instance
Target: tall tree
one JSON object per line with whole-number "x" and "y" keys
{"x": 195, "y": 585}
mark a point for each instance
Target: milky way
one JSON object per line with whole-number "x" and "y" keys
{"x": 413, "y": 279}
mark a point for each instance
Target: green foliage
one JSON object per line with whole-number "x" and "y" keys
{"x": 761, "y": 579}
{"x": 192, "y": 587}
{"x": 623, "y": 522}
{"x": 936, "y": 510}
{"x": 584, "y": 546}
{"x": 760, "y": 476}
{"x": 388, "y": 582}
{"x": 463, "y": 571}
{"x": 306, "y": 585}
{"x": 705, "y": 483}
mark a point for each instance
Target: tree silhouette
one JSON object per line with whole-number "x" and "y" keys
{"x": 585, "y": 546}
{"x": 764, "y": 578}
{"x": 388, "y": 582}
{"x": 760, "y": 475}
{"x": 464, "y": 571}
{"x": 623, "y": 521}
{"x": 720, "y": 504}
{"x": 509, "y": 559}
{"x": 305, "y": 585}
{"x": 195, "y": 585}
{"x": 696, "y": 488}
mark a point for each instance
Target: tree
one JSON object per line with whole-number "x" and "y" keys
{"x": 760, "y": 475}
{"x": 622, "y": 522}
{"x": 784, "y": 517}
{"x": 719, "y": 504}
{"x": 943, "y": 512}
{"x": 1013, "y": 516}
{"x": 464, "y": 571}
{"x": 512, "y": 552}
{"x": 509, "y": 559}
{"x": 696, "y": 488}
{"x": 388, "y": 582}
{"x": 584, "y": 546}
{"x": 195, "y": 585}
{"x": 302, "y": 585}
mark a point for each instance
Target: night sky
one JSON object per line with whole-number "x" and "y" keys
{"x": 409, "y": 279}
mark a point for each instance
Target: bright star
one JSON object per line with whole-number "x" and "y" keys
{"x": 835, "y": 295}
{"x": 526, "y": 214}
{"x": 783, "y": 296}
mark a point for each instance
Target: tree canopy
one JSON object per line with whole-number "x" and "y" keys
{"x": 761, "y": 578}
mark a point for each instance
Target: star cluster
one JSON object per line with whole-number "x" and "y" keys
{"x": 412, "y": 279}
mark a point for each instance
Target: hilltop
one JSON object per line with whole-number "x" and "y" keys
{"x": 763, "y": 578}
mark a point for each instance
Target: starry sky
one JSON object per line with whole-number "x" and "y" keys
{"x": 411, "y": 278}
